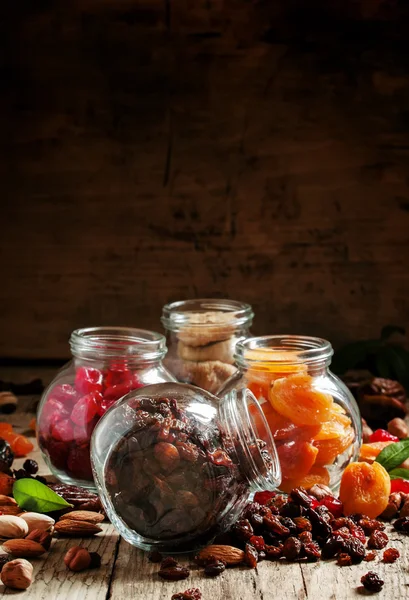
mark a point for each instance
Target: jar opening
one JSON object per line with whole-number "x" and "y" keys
{"x": 259, "y": 352}
{"x": 111, "y": 342}
{"x": 207, "y": 313}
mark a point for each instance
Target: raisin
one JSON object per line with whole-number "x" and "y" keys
{"x": 155, "y": 556}
{"x": 370, "y": 525}
{"x": 290, "y": 510}
{"x": 214, "y": 568}
{"x": 402, "y": 525}
{"x": 340, "y": 522}
{"x": 243, "y": 529}
{"x": 292, "y": 548}
{"x": 355, "y": 549}
{"x": 357, "y": 532}
{"x": 311, "y": 551}
{"x": 4, "y": 558}
{"x": 263, "y": 497}
{"x": 378, "y": 540}
{"x": 302, "y": 524}
{"x": 305, "y": 537}
{"x": 174, "y": 573}
{"x": 256, "y": 520}
{"x": 169, "y": 561}
{"x": 190, "y": 594}
{"x": 95, "y": 560}
{"x": 274, "y": 524}
{"x": 320, "y": 527}
{"x": 30, "y": 466}
{"x": 274, "y": 552}
{"x": 261, "y": 555}
{"x": 344, "y": 560}
{"x": 251, "y": 556}
{"x": 300, "y": 496}
{"x": 258, "y": 542}
{"x": 370, "y": 556}
{"x": 332, "y": 546}
{"x": 390, "y": 555}
{"x": 289, "y": 523}
{"x": 372, "y": 582}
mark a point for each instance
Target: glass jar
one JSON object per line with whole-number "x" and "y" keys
{"x": 108, "y": 362}
{"x": 201, "y": 336}
{"x": 314, "y": 418}
{"x": 174, "y": 465}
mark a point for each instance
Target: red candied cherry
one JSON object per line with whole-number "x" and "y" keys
{"x": 258, "y": 542}
{"x": 314, "y": 502}
{"x": 334, "y": 505}
{"x": 58, "y": 453}
{"x": 82, "y": 433}
{"x": 88, "y": 379}
{"x": 381, "y": 435}
{"x": 104, "y": 406}
{"x": 79, "y": 462}
{"x": 53, "y": 411}
{"x": 263, "y": 497}
{"x": 64, "y": 393}
{"x": 63, "y": 431}
{"x": 116, "y": 375}
{"x": 121, "y": 389}
{"x": 400, "y": 485}
{"x": 86, "y": 409}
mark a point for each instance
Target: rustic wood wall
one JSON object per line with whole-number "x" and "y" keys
{"x": 164, "y": 149}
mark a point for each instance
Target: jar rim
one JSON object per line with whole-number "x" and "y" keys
{"x": 110, "y": 342}
{"x": 176, "y": 315}
{"x": 283, "y": 349}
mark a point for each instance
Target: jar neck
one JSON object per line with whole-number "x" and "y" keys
{"x": 207, "y": 314}
{"x": 284, "y": 352}
{"x": 133, "y": 347}
{"x": 247, "y": 430}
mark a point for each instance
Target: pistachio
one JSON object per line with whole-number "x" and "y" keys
{"x": 38, "y": 521}
{"x": 12, "y": 527}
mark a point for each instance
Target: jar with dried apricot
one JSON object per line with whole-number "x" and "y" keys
{"x": 313, "y": 417}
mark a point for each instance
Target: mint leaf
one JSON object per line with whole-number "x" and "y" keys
{"x": 32, "y": 495}
{"x": 393, "y": 455}
{"x": 399, "y": 474}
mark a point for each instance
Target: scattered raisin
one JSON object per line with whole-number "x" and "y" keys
{"x": 214, "y": 568}
{"x": 155, "y": 556}
{"x": 344, "y": 560}
{"x": 300, "y": 496}
{"x": 30, "y": 466}
{"x": 402, "y": 525}
{"x": 355, "y": 549}
{"x": 251, "y": 556}
{"x": 332, "y": 546}
{"x": 377, "y": 540}
{"x": 190, "y": 594}
{"x": 370, "y": 525}
{"x": 305, "y": 537}
{"x": 274, "y": 552}
{"x": 243, "y": 529}
{"x": 258, "y": 542}
{"x": 169, "y": 561}
{"x": 372, "y": 582}
{"x": 4, "y": 558}
{"x": 390, "y": 555}
{"x": 274, "y": 524}
{"x": 292, "y": 548}
{"x": 311, "y": 551}
{"x": 174, "y": 573}
{"x": 370, "y": 556}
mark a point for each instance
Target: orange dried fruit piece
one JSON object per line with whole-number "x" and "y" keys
{"x": 365, "y": 489}
{"x": 5, "y": 428}
{"x": 335, "y": 427}
{"x": 6, "y": 484}
{"x": 296, "y": 458}
{"x": 33, "y": 424}
{"x": 316, "y": 475}
{"x": 295, "y": 398}
{"x": 329, "y": 449}
{"x": 20, "y": 445}
{"x": 370, "y": 451}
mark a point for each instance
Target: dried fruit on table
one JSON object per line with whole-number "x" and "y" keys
{"x": 390, "y": 555}
{"x": 369, "y": 452}
{"x": 372, "y": 582}
{"x": 400, "y": 485}
{"x": 6, "y": 456}
{"x": 378, "y": 540}
{"x": 174, "y": 573}
{"x": 215, "y": 568}
{"x": 80, "y": 498}
{"x": 316, "y": 475}
{"x": 365, "y": 489}
{"x": 381, "y": 435}
{"x": 190, "y": 594}
{"x": 330, "y": 449}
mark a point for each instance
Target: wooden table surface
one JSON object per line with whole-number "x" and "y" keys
{"x": 126, "y": 572}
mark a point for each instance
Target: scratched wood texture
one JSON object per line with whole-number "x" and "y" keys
{"x": 126, "y": 572}
{"x": 156, "y": 150}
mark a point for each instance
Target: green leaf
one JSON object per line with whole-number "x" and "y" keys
{"x": 32, "y": 495}
{"x": 393, "y": 455}
{"x": 399, "y": 474}
{"x": 388, "y": 330}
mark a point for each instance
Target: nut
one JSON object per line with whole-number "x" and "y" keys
{"x": 76, "y": 528}
{"x": 6, "y": 484}
{"x": 12, "y": 527}
{"x": 17, "y": 574}
{"x": 7, "y": 501}
{"x": 227, "y": 554}
{"x": 83, "y": 515}
{"x": 23, "y": 548}
{"x": 77, "y": 559}
{"x": 41, "y": 537}
{"x": 399, "y": 428}
{"x": 393, "y": 507}
{"x": 38, "y": 521}
{"x": 319, "y": 490}
{"x": 11, "y": 509}
{"x": 366, "y": 432}
{"x": 404, "y": 511}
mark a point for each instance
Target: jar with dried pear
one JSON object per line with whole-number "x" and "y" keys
{"x": 313, "y": 417}
{"x": 201, "y": 336}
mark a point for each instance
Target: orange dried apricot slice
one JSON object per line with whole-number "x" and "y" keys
{"x": 335, "y": 427}
{"x": 296, "y": 458}
{"x": 329, "y": 449}
{"x": 5, "y": 428}
{"x": 370, "y": 451}
{"x": 295, "y": 398}
{"x": 365, "y": 489}
{"x": 316, "y": 475}
{"x": 283, "y": 429}
{"x": 18, "y": 443}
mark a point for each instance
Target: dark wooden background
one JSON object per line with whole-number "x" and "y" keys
{"x": 168, "y": 149}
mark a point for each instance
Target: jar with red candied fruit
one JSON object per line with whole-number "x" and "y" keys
{"x": 107, "y": 363}
{"x": 313, "y": 417}
{"x": 174, "y": 465}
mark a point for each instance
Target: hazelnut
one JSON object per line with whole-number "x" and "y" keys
{"x": 319, "y": 490}
{"x": 41, "y": 537}
{"x": 393, "y": 507}
{"x": 366, "y": 432}
{"x": 77, "y": 559}
{"x": 399, "y": 428}
{"x": 17, "y": 574}
{"x": 404, "y": 511}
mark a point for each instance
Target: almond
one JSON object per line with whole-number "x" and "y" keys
{"x": 23, "y": 548}
{"x": 7, "y": 501}
{"x": 12, "y": 527}
{"x": 38, "y": 521}
{"x": 83, "y": 515}
{"x": 228, "y": 554}
{"x": 76, "y": 528}
{"x": 11, "y": 509}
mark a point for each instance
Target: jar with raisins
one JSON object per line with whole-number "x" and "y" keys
{"x": 313, "y": 417}
{"x": 201, "y": 337}
{"x": 108, "y": 362}
{"x": 174, "y": 465}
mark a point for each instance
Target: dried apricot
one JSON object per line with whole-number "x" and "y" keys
{"x": 370, "y": 451}
{"x": 296, "y": 458}
{"x": 316, "y": 475}
{"x": 295, "y": 398}
{"x": 5, "y": 428}
{"x": 365, "y": 489}
{"x": 19, "y": 444}
{"x": 333, "y": 428}
{"x": 328, "y": 450}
